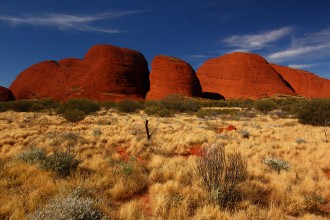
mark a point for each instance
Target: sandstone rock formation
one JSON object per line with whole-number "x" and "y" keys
{"x": 242, "y": 75}
{"x": 106, "y": 73}
{"x": 6, "y": 95}
{"x": 170, "y": 75}
{"x": 305, "y": 83}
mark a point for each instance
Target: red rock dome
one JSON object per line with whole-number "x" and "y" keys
{"x": 305, "y": 83}
{"x": 242, "y": 75}
{"x": 106, "y": 73}
{"x": 6, "y": 95}
{"x": 170, "y": 75}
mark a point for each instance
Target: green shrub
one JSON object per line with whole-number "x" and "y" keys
{"x": 265, "y": 105}
{"x": 4, "y": 106}
{"x": 73, "y": 206}
{"x": 180, "y": 103}
{"x": 74, "y": 115}
{"x": 21, "y": 106}
{"x": 107, "y": 104}
{"x": 203, "y": 113}
{"x": 85, "y": 105}
{"x": 33, "y": 155}
{"x": 164, "y": 113}
{"x": 151, "y": 110}
{"x": 315, "y": 112}
{"x": 220, "y": 174}
{"x": 157, "y": 111}
{"x": 277, "y": 164}
{"x": 129, "y": 106}
{"x": 63, "y": 163}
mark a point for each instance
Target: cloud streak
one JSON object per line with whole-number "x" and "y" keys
{"x": 309, "y": 45}
{"x": 257, "y": 41}
{"x": 65, "y": 22}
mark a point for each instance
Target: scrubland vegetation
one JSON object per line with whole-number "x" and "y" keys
{"x": 87, "y": 160}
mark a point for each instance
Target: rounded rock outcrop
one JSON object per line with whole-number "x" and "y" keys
{"x": 107, "y": 73}
{"x": 6, "y": 95}
{"x": 242, "y": 75}
{"x": 305, "y": 83}
{"x": 170, "y": 75}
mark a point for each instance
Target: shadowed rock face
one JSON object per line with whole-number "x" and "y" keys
{"x": 106, "y": 73}
{"x": 305, "y": 83}
{"x": 242, "y": 75}
{"x": 6, "y": 95}
{"x": 170, "y": 75}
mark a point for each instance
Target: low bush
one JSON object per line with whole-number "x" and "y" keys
{"x": 265, "y": 105}
{"x": 73, "y": 206}
{"x": 74, "y": 115}
{"x": 157, "y": 111}
{"x": 129, "y": 106}
{"x": 277, "y": 164}
{"x": 179, "y": 103}
{"x": 85, "y": 105}
{"x": 203, "y": 113}
{"x": 33, "y": 155}
{"x": 220, "y": 174}
{"x": 28, "y": 105}
{"x": 63, "y": 163}
{"x": 315, "y": 112}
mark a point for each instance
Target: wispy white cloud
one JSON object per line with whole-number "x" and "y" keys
{"x": 301, "y": 66}
{"x": 258, "y": 41}
{"x": 198, "y": 56}
{"x": 309, "y": 45}
{"x": 66, "y": 22}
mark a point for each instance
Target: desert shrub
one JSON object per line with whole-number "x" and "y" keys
{"x": 277, "y": 164}
{"x": 4, "y": 106}
{"x": 265, "y": 105}
{"x": 300, "y": 140}
{"x": 97, "y": 132}
{"x": 214, "y": 103}
{"x": 315, "y": 112}
{"x": 73, "y": 206}
{"x": 203, "y": 113}
{"x": 128, "y": 106}
{"x": 164, "y": 113}
{"x": 74, "y": 115}
{"x": 220, "y": 173}
{"x": 151, "y": 109}
{"x": 85, "y": 105}
{"x": 107, "y": 105}
{"x": 245, "y": 134}
{"x": 63, "y": 163}
{"x": 313, "y": 200}
{"x": 33, "y": 155}
{"x": 21, "y": 106}
{"x": 178, "y": 103}
{"x": 157, "y": 111}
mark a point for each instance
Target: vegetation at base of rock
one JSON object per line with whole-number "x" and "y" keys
{"x": 74, "y": 115}
{"x": 128, "y": 106}
{"x": 28, "y": 105}
{"x": 85, "y": 105}
{"x": 315, "y": 112}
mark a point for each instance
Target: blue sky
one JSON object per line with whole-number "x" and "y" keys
{"x": 288, "y": 32}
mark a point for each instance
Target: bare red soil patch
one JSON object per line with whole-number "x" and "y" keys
{"x": 327, "y": 173}
{"x": 229, "y": 128}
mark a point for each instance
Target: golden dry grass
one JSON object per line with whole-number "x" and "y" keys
{"x": 156, "y": 180}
